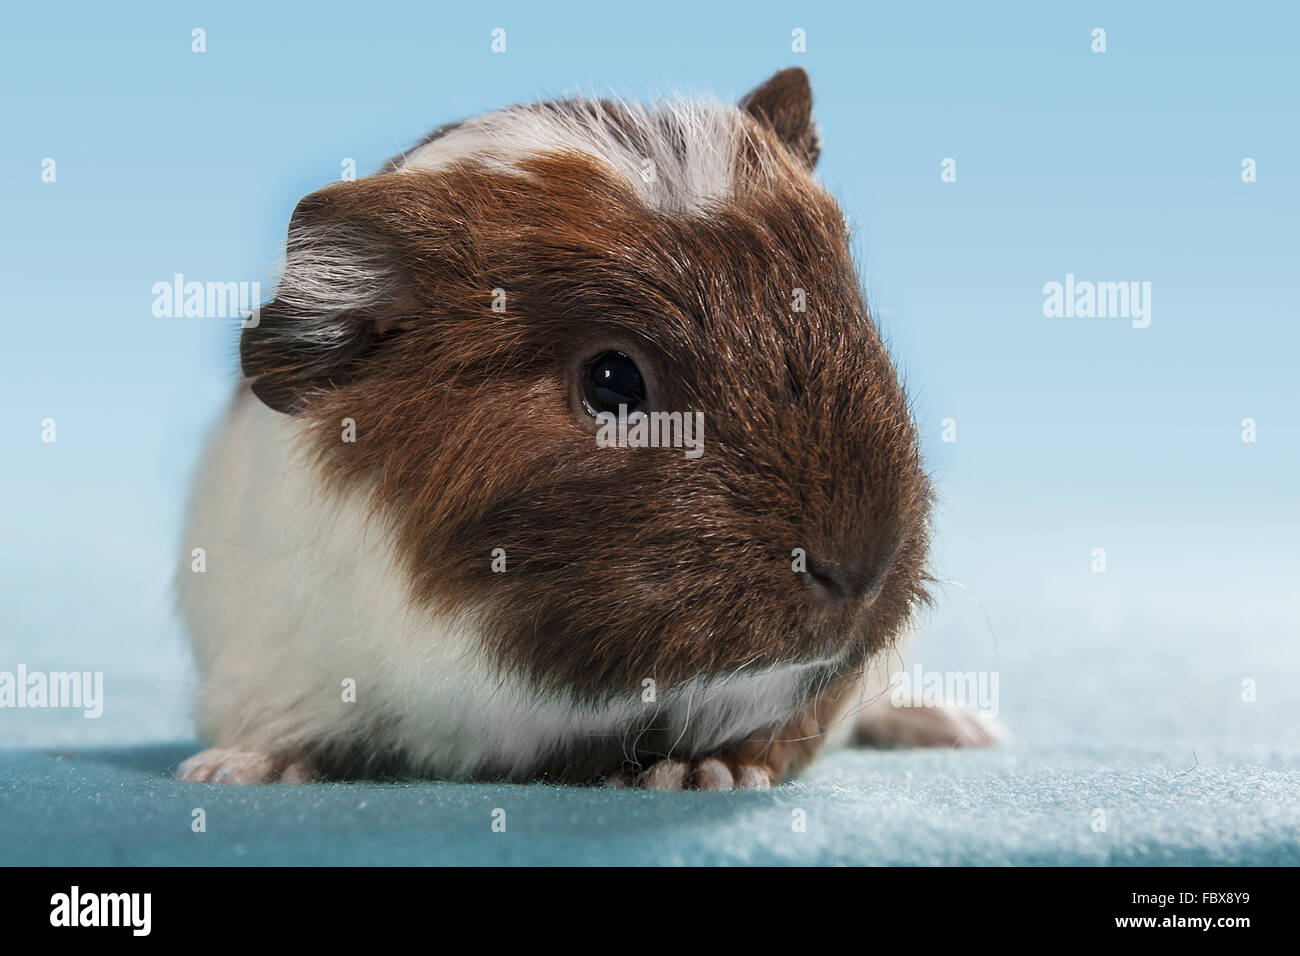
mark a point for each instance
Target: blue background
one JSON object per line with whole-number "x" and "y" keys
{"x": 1073, "y": 434}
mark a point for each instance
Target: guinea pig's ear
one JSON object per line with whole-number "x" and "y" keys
{"x": 784, "y": 104}
{"x": 334, "y": 302}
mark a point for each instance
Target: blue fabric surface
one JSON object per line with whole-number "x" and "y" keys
{"x": 113, "y": 807}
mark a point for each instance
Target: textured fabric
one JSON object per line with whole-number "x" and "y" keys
{"x": 120, "y": 807}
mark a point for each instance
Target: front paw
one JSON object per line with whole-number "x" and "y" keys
{"x": 228, "y": 765}
{"x": 708, "y": 773}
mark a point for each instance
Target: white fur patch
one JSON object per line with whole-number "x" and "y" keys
{"x": 331, "y": 269}
{"x": 329, "y": 272}
{"x": 302, "y": 594}
{"x": 679, "y": 156}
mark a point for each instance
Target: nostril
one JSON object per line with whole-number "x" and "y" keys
{"x": 829, "y": 582}
{"x": 836, "y": 583}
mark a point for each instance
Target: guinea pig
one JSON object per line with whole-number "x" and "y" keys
{"x": 432, "y": 545}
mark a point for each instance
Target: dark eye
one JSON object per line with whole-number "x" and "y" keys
{"x": 610, "y": 380}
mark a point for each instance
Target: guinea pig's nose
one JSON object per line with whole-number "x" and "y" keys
{"x": 835, "y": 582}
{"x": 828, "y": 583}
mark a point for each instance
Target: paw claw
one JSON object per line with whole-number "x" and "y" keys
{"x": 712, "y": 774}
{"x": 755, "y": 778}
{"x": 709, "y": 773}
{"x": 298, "y": 772}
{"x": 666, "y": 775}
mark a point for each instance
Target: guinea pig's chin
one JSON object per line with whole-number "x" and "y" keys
{"x": 843, "y": 646}
{"x": 840, "y": 629}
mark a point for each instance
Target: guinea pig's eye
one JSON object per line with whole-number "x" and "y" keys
{"x": 612, "y": 379}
